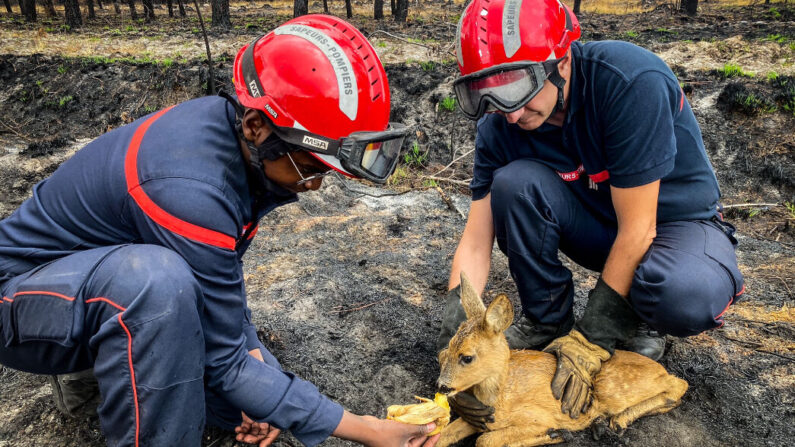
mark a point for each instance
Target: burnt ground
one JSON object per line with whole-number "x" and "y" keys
{"x": 346, "y": 285}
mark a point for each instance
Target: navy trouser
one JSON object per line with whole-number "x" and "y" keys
{"x": 683, "y": 285}
{"x": 131, "y": 312}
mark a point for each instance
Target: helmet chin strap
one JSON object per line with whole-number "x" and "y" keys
{"x": 271, "y": 149}
{"x": 557, "y": 80}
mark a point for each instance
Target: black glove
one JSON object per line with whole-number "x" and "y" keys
{"x": 452, "y": 317}
{"x": 471, "y": 410}
{"x": 608, "y": 318}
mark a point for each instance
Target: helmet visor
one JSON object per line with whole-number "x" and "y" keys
{"x": 373, "y": 155}
{"x": 370, "y": 155}
{"x": 506, "y": 87}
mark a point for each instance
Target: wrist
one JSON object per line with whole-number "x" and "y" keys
{"x": 608, "y": 317}
{"x": 357, "y": 428}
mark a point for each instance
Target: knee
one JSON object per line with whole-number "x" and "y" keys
{"x": 524, "y": 180}
{"x": 153, "y": 272}
{"x": 682, "y": 298}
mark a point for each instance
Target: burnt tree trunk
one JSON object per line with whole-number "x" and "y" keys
{"x": 348, "y": 9}
{"x": 181, "y": 8}
{"x": 28, "y": 9}
{"x": 378, "y": 9}
{"x": 74, "y": 19}
{"x": 577, "y": 6}
{"x": 300, "y": 7}
{"x": 392, "y": 7}
{"x": 10, "y": 11}
{"x": 220, "y": 14}
{"x": 170, "y": 5}
{"x": 50, "y": 8}
{"x": 99, "y": 3}
{"x": 689, "y": 6}
{"x": 402, "y": 10}
{"x": 91, "y": 13}
{"x": 133, "y": 14}
{"x": 116, "y": 7}
{"x": 325, "y": 6}
{"x": 149, "y": 10}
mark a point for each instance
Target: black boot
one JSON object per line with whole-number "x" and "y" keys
{"x": 647, "y": 342}
{"x": 525, "y": 334}
{"x": 76, "y": 395}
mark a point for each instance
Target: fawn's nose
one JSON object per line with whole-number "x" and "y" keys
{"x": 444, "y": 389}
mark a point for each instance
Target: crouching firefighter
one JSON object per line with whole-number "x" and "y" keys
{"x": 593, "y": 150}
{"x": 128, "y": 260}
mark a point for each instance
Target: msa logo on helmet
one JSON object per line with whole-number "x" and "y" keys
{"x": 314, "y": 142}
{"x": 271, "y": 111}
{"x": 253, "y": 89}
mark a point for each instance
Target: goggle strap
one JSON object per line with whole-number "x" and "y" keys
{"x": 250, "y": 76}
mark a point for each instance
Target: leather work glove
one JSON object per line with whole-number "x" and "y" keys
{"x": 578, "y": 363}
{"x": 608, "y": 319}
{"x": 452, "y": 317}
{"x": 471, "y": 410}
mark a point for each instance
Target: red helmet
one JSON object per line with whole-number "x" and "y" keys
{"x": 495, "y": 32}
{"x": 315, "y": 74}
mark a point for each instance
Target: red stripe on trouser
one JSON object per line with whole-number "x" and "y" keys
{"x": 132, "y": 378}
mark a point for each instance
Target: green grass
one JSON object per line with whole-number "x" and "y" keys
{"x": 430, "y": 183}
{"x": 65, "y": 100}
{"x": 733, "y": 71}
{"x": 415, "y": 157}
{"x": 754, "y": 104}
{"x": 427, "y": 65}
{"x": 398, "y": 176}
{"x": 790, "y": 209}
{"x": 631, "y": 34}
{"x": 448, "y": 103}
{"x": 778, "y": 38}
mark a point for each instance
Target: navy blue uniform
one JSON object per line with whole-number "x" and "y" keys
{"x": 628, "y": 124}
{"x": 129, "y": 259}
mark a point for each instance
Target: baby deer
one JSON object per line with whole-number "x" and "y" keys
{"x": 517, "y": 383}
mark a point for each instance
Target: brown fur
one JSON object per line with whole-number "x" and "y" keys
{"x": 517, "y": 383}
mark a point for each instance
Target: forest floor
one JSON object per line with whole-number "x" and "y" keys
{"x": 346, "y": 285}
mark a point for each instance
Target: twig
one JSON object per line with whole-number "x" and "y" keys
{"x": 398, "y": 38}
{"x": 345, "y": 185}
{"x": 789, "y": 291}
{"x": 211, "y": 74}
{"x": 353, "y": 309}
{"x": 759, "y": 236}
{"x": 454, "y": 160}
{"x": 745, "y": 205}
{"x": 449, "y": 202}
{"x": 443, "y": 179}
{"x": 785, "y": 357}
{"x": 14, "y": 130}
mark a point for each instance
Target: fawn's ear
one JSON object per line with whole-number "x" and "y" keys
{"x": 499, "y": 315}
{"x": 473, "y": 305}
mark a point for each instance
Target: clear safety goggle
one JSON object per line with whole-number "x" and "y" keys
{"x": 369, "y": 155}
{"x": 506, "y": 87}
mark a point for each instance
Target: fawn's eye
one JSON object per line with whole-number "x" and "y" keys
{"x": 465, "y": 359}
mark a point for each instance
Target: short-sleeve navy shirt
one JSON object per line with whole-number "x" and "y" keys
{"x": 628, "y": 124}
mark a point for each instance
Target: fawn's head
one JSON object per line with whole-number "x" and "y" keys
{"x": 478, "y": 351}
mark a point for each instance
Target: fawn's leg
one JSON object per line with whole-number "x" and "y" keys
{"x": 456, "y": 431}
{"x": 661, "y": 403}
{"x": 518, "y": 437}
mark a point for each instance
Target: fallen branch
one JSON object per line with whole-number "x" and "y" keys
{"x": 785, "y": 357}
{"x": 443, "y": 179}
{"x": 746, "y": 205}
{"x": 454, "y": 160}
{"x": 449, "y": 202}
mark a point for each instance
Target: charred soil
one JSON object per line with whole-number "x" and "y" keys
{"x": 346, "y": 285}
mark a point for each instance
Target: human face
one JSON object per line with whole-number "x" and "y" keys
{"x": 291, "y": 171}
{"x": 537, "y": 111}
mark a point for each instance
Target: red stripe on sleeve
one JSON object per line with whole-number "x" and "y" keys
{"x": 600, "y": 176}
{"x": 150, "y": 208}
{"x": 39, "y": 292}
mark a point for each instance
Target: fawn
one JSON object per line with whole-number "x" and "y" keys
{"x": 517, "y": 383}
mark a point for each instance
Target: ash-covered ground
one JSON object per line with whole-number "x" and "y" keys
{"x": 346, "y": 285}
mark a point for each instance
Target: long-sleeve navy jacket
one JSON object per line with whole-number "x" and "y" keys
{"x": 175, "y": 178}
